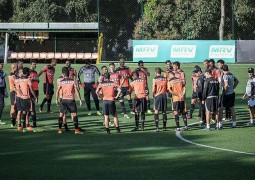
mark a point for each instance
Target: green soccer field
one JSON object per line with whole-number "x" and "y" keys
{"x": 194, "y": 154}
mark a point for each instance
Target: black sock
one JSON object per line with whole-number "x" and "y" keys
{"x": 130, "y": 104}
{"x": 75, "y": 121}
{"x": 156, "y": 120}
{"x": 191, "y": 110}
{"x": 107, "y": 130}
{"x": 164, "y": 119}
{"x": 34, "y": 120}
{"x": 176, "y": 117}
{"x": 23, "y": 120}
{"x": 43, "y": 102}
{"x": 143, "y": 118}
{"x": 48, "y": 104}
{"x": 13, "y": 121}
{"x": 66, "y": 127}
{"x": 118, "y": 129}
{"x": 137, "y": 120}
{"x": 60, "y": 122}
{"x": 148, "y": 104}
{"x": 184, "y": 117}
{"x": 122, "y": 106}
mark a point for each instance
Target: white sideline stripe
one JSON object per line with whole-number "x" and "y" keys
{"x": 178, "y": 134}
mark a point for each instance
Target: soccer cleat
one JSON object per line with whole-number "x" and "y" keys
{"x": 24, "y": 130}
{"x": 59, "y": 131}
{"x": 164, "y": 128}
{"x": 132, "y": 112}
{"x": 142, "y": 128}
{"x": 213, "y": 121}
{"x": 36, "y": 130}
{"x": 149, "y": 111}
{"x": 90, "y": 113}
{"x": 117, "y": 130}
{"x": 234, "y": 124}
{"x": 135, "y": 129}
{"x": 77, "y": 131}
{"x": 2, "y": 123}
{"x": 20, "y": 128}
{"x": 186, "y": 128}
{"x": 126, "y": 116}
{"x": 189, "y": 117}
{"x": 29, "y": 128}
{"x": 206, "y": 129}
{"x": 250, "y": 123}
{"x": 40, "y": 109}
{"x": 157, "y": 130}
{"x": 99, "y": 113}
{"x": 202, "y": 124}
{"x": 177, "y": 129}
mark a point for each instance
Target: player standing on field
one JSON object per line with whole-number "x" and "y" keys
{"x": 250, "y": 94}
{"x": 159, "y": 91}
{"x": 48, "y": 86}
{"x": 125, "y": 73}
{"x": 144, "y": 74}
{"x": 138, "y": 86}
{"x": 210, "y": 97}
{"x": 89, "y": 70}
{"x": 3, "y": 90}
{"x": 177, "y": 88}
{"x": 109, "y": 108}
{"x": 12, "y": 77}
{"x": 69, "y": 89}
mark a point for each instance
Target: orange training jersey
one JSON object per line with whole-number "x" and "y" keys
{"x": 24, "y": 84}
{"x": 33, "y": 76}
{"x": 159, "y": 85}
{"x": 48, "y": 74}
{"x": 115, "y": 77}
{"x": 11, "y": 81}
{"x": 142, "y": 75}
{"x": 138, "y": 85}
{"x": 125, "y": 73}
{"x": 194, "y": 79}
{"x": 107, "y": 88}
{"x": 180, "y": 75}
{"x": 58, "y": 83}
{"x": 176, "y": 85}
{"x": 67, "y": 86}
{"x": 17, "y": 85}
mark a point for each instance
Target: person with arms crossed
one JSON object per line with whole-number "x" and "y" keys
{"x": 13, "y": 109}
{"x": 159, "y": 91}
{"x": 89, "y": 70}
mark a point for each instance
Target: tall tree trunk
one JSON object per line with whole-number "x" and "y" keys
{"x": 222, "y": 20}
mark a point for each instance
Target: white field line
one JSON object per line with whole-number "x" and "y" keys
{"x": 178, "y": 134}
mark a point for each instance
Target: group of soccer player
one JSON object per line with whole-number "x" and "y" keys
{"x": 213, "y": 90}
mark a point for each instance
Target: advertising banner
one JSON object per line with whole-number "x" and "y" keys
{"x": 183, "y": 50}
{"x": 245, "y": 51}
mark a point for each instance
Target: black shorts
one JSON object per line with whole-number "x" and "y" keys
{"x": 18, "y": 103}
{"x": 36, "y": 93}
{"x": 228, "y": 101}
{"x": 140, "y": 105}
{"x": 48, "y": 89}
{"x": 147, "y": 92}
{"x": 160, "y": 102}
{"x": 211, "y": 104}
{"x": 179, "y": 106}
{"x": 109, "y": 107}
{"x": 69, "y": 105}
{"x": 194, "y": 95}
{"x": 26, "y": 105}
{"x": 124, "y": 92}
{"x": 12, "y": 97}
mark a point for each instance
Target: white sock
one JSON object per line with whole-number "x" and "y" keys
{"x": 250, "y": 121}
{"x": 208, "y": 126}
